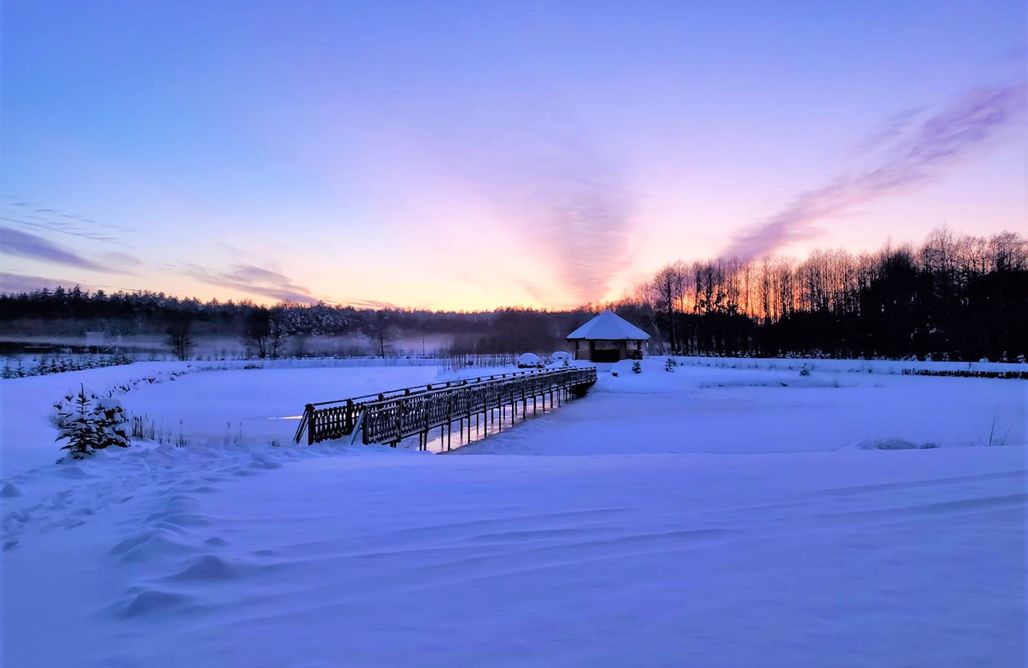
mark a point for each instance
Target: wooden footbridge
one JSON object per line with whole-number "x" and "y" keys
{"x": 389, "y": 417}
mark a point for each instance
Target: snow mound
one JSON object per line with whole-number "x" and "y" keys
{"x": 146, "y": 545}
{"x": 73, "y": 472}
{"x": 149, "y": 601}
{"x": 208, "y": 568}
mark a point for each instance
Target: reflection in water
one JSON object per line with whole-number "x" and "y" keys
{"x": 465, "y": 432}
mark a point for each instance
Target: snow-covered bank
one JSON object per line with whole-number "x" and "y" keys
{"x": 713, "y": 517}
{"x": 848, "y": 365}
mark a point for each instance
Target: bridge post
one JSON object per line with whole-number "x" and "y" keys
{"x": 309, "y": 410}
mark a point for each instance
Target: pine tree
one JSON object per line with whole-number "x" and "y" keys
{"x": 76, "y": 424}
{"x": 88, "y": 423}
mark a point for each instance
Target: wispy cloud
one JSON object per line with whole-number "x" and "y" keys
{"x": 24, "y": 283}
{"x": 584, "y": 215}
{"x": 908, "y": 154}
{"x": 253, "y": 280}
{"x": 23, "y": 244}
{"x": 571, "y": 203}
{"x": 44, "y": 218}
{"x": 124, "y": 261}
{"x": 370, "y": 304}
{"x": 889, "y": 129}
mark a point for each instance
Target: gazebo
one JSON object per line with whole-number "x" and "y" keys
{"x": 608, "y": 338}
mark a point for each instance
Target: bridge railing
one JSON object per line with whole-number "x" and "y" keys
{"x": 388, "y": 417}
{"x": 338, "y": 417}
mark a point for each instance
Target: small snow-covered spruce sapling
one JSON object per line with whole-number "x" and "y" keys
{"x": 636, "y": 367}
{"x": 88, "y": 423}
{"x": 75, "y": 424}
{"x": 804, "y": 370}
{"x": 670, "y": 364}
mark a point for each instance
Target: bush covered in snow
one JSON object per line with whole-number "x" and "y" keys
{"x": 17, "y": 367}
{"x": 530, "y": 361}
{"x": 560, "y": 358}
{"x": 88, "y": 423}
{"x": 896, "y": 444}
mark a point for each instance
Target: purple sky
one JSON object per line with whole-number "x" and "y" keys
{"x": 477, "y": 154}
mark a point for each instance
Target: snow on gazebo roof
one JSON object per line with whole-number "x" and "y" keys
{"x": 609, "y": 326}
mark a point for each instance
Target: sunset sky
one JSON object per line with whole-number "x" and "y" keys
{"x": 478, "y": 154}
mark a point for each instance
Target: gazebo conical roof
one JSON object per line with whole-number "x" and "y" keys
{"x": 609, "y": 326}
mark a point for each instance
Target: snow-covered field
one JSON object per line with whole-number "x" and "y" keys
{"x": 711, "y": 516}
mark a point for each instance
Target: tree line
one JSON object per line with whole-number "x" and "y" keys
{"x": 284, "y": 329}
{"x": 952, "y": 297}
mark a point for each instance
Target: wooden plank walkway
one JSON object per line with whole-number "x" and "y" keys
{"x": 389, "y": 417}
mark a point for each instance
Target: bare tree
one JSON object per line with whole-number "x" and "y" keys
{"x": 380, "y": 328}
{"x": 667, "y": 291}
{"x": 180, "y": 336}
{"x": 257, "y": 331}
{"x": 278, "y": 332}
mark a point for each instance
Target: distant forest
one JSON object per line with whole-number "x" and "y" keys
{"x": 958, "y": 298}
